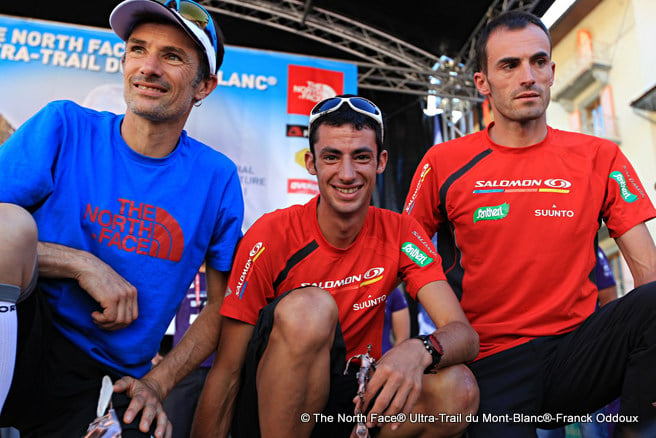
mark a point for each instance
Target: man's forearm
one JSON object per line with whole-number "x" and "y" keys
{"x": 639, "y": 252}
{"x": 197, "y": 344}
{"x": 116, "y": 296}
{"x": 459, "y": 341}
{"x": 59, "y": 261}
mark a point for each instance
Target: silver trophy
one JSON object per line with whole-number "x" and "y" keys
{"x": 106, "y": 424}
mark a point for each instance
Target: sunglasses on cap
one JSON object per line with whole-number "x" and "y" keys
{"x": 357, "y": 104}
{"x": 195, "y": 13}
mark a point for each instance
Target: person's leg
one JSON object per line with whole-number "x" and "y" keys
{"x": 9, "y": 330}
{"x": 447, "y": 400}
{"x": 180, "y": 404}
{"x": 246, "y": 423}
{"x": 70, "y": 387}
{"x": 294, "y": 373}
{"x": 18, "y": 240}
{"x": 612, "y": 352}
{"x": 510, "y": 384}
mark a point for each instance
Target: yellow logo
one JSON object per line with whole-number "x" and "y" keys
{"x": 300, "y": 157}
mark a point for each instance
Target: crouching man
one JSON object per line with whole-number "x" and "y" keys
{"x": 307, "y": 292}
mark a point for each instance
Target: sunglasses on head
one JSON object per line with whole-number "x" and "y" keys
{"x": 195, "y": 13}
{"x": 357, "y": 104}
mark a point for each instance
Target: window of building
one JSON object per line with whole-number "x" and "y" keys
{"x": 596, "y": 115}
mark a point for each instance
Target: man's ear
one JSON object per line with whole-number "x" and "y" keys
{"x": 205, "y": 87}
{"x": 553, "y": 73}
{"x": 310, "y": 165}
{"x": 480, "y": 80}
{"x": 382, "y": 162}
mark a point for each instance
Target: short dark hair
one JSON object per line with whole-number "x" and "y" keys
{"x": 346, "y": 116}
{"x": 513, "y": 20}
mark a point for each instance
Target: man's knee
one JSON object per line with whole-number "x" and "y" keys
{"x": 18, "y": 241}
{"x": 450, "y": 396}
{"x": 455, "y": 389}
{"x": 641, "y": 310}
{"x": 306, "y": 318}
{"x": 646, "y": 296}
{"x": 16, "y": 221}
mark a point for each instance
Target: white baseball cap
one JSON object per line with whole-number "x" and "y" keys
{"x": 129, "y": 12}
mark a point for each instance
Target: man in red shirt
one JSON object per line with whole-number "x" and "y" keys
{"x": 307, "y": 292}
{"x": 517, "y": 208}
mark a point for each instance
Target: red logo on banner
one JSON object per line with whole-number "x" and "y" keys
{"x": 304, "y": 186}
{"x": 309, "y": 86}
{"x": 297, "y": 131}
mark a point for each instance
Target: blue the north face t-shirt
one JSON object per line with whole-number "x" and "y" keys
{"x": 153, "y": 220}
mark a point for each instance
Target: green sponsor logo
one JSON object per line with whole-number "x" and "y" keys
{"x": 493, "y": 213}
{"x": 624, "y": 190}
{"x": 415, "y": 254}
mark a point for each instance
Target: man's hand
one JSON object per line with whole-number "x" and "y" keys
{"x": 398, "y": 377}
{"x": 146, "y": 396}
{"x": 116, "y": 296}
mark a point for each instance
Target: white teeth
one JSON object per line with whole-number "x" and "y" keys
{"x": 347, "y": 191}
{"x": 143, "y": 87}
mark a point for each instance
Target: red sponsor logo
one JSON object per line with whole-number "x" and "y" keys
{"x": 303, "y": 186}
{"x": 138, "y": 227}
{"x": 309, "y": 85}
{"x": 297, "y": 131}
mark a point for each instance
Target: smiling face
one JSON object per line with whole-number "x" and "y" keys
{"x": 346, "y": 166}
{"x": 160, "y": 73}
{"x": 519, "y": 74}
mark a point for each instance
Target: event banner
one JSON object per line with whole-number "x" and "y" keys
{"x": 257, "y": 116}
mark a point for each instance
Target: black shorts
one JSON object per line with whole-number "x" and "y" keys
{"x": 55, "y": 389}
{"x": 612, "y": 353}
{"x": 245, "y": 422}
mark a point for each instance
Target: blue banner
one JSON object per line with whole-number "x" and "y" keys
{"x": 257, "y": 115}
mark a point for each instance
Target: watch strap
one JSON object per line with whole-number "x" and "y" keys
{"x": 434, "y": 348}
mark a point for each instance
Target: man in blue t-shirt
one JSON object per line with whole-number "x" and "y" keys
{"x": 126, "y": 208}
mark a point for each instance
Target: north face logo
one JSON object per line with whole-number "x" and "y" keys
{"x": 139, "y": 228}
{"x": 310, "y": 85}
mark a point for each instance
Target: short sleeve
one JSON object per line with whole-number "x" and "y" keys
{"x": 28, "y": 158}
{"x": 626, "y": 201}
{"x": 227, "y": 229}
{"x": 250, "y": 286}
{"x": 423, "y": 202}
{"x": 419, "y": 263}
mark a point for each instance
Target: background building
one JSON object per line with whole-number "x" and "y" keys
{"x": 606, "y": 86}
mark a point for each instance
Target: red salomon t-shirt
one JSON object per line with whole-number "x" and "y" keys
{"x": 285, "y": 250}
{"x": 517, "y": 226}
